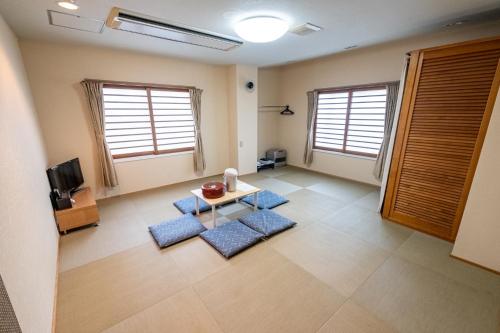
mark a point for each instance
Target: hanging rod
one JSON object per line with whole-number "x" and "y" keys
{"x": 286, "y": 111}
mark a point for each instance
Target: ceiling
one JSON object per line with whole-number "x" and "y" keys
{"x": 345, "y": 23}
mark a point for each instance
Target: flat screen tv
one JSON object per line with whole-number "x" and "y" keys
{"x": 65, "y": 177}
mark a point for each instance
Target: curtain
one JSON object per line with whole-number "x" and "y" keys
{"x": 199, "y": 158}
{"x": 312, "y": 110}
{"x": 392, "y": 137}
{"x": 93, "y": 92}
{"x": 390, "y": 110}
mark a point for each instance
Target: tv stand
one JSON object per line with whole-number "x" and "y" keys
{"x": 83, "y": 211}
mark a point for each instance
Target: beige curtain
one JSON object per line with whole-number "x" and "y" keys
{"x": 93, "y": 92}
{"x": 312, "y": 110}
{"x": 390, "y": 111}
{"x": 199, "y": 158}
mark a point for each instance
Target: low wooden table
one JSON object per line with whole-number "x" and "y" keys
{"x": 83, "y": 212}
{"x": 242, "y": 190}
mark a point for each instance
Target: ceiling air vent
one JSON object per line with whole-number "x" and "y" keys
{"x": 306, "y": 29}
{"x": 125, "y": 20}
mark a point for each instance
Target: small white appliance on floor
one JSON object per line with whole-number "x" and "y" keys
{"x": 230, "y": 179}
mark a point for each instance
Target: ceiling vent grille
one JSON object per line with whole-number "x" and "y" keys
{"x": 306, "y": 29}
{"x": 125, "y": 20}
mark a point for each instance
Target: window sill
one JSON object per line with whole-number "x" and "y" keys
{"x": 345, "y": 154}
{"x": 148, "y": 157}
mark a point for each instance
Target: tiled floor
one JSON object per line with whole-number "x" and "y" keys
{"x": 341, "y": 269}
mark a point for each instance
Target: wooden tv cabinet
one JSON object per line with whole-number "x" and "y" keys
{"x": 83, "y": 212}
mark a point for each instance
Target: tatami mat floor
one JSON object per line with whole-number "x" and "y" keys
{"x": 341, "y": 269}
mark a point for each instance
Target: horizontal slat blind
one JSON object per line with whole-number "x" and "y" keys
{"x": 144, "y": 121}
{"x": 351, "y": 120}
{"x": 331, "y": 120}
{"x": 128, "y": 124}
{"x": 173, "y": 119}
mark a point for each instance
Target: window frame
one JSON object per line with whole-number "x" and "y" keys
{"x": 148, "y": 88}
{"x": 349, "y": 90}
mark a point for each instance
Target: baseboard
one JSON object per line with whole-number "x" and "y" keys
{"x": 158, "y": 187}
{"x": 332, "y": 175}
{"x": 475, "y": 264}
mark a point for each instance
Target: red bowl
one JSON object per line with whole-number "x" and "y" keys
{"x": 213, "y": 190}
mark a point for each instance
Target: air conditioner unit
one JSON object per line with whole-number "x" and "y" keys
{"x": 125, "y": 20}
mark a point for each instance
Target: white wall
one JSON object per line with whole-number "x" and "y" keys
{"x": 55, "y": 71}
{"x": 243, "y": 118}
{"x": 478, "y": 238}
{"x": 28, "y": 236}
{"x": 367, "y": 65}
{"x": 268, "y": 118}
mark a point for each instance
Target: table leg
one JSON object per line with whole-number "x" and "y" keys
{"x": 213, "y": 216}
{"x": 255, "y": 200}
{"x": 197, "y": 205}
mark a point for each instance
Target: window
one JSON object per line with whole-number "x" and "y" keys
{"x": 147, "y": 121}
{"x": 351, "y": 120}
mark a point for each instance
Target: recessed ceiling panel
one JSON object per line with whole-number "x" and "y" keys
{"x": 76, "y": 22}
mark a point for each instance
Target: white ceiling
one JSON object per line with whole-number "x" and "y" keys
{"x": 345, "y": 22}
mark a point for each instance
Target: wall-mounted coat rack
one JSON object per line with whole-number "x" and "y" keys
{"x": 285, "y": 112}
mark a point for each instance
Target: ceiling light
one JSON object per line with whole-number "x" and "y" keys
{"x": 68, "y": 4}
{"x": 261, "y": 29}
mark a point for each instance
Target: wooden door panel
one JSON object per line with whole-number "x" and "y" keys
{"x": 446, "y": 107}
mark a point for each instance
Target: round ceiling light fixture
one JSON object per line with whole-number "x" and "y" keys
{"x": 261, "y": 29}
{"x": 68, "y": 4}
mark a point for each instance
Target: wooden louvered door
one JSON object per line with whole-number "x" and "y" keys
{"x": 447, "y": 103}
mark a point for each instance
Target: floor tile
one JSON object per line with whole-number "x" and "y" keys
{"x": 207, "y": 220}
{"x": 434, "y": 254}
{"x": 278, "y": 171}
{"x": 303, "y": 178}
{"x": 182, "y": 313}
{"x": 250, "y": 178}
{"x": 369, "y": 226}
{"x": 113, "y": 235}
{"x": 197, "y": 259}
{"x": 115, "y": 207}
{"x": 232, "y": 208}
{"x": 341, "y": 261}
{"x": 370, "y": 201}
{"x": 342, "y": 190}
{"x": 98, "y": 295}
{"x": 414, "y": 299}
{"x": 160, "y": 214}
{"x": 276, "y": 186}
{"x": 312, "y": 205}
{"x": 264, "y": 292}
{"x": 352, "y": 318}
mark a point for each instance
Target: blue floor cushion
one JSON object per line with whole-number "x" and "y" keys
{"x": 267, "y": 222}
{"x": 188, "y": 205}
{"x": 231, "y": 238}
{"x": 266, "y": 199}
{"x": 174, "y": 231}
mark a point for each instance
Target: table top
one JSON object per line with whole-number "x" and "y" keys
{"x": 242, "y": 190}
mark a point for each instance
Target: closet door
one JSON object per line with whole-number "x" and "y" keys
{"x": 448, "y": 99}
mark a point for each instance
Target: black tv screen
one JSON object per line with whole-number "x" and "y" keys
{"x": 66, "y": 177}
